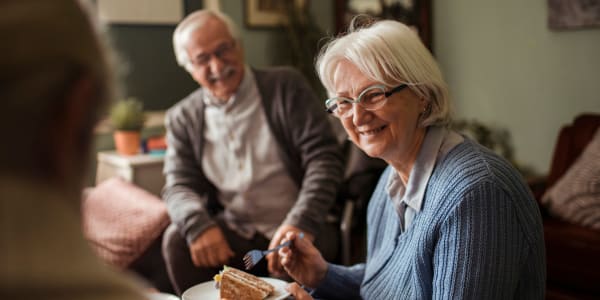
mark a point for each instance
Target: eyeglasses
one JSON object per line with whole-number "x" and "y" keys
{"x": 372, "y": 98}
{"x": 224, "y": 50}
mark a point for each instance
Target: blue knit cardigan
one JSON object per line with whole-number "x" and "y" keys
{"x": 478, "y": 236}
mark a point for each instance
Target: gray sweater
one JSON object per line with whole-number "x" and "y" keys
{"x": 479, "y": 235}
{"x": 305, "y": 142}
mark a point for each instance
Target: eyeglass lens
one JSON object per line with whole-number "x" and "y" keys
{"x": 221, "y": 52}
{"x": 371, "y": 98}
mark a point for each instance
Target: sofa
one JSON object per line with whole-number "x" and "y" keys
{"x": 572, "y": 248}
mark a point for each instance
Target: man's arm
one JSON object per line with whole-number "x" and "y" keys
{"x": 319, "y": 154}
{"x": 186, "y": 189}
{"x": 313, "y": 154}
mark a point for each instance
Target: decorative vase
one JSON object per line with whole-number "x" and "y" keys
{"x": 127, "y": 142}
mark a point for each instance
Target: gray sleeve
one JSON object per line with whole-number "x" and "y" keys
{"x": 319, "y": 155}
{"x": 186, "y": 189}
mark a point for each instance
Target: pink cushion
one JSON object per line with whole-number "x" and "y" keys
{"x": 120, "y": 220}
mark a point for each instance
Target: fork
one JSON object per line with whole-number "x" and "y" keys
{"x": 254, "y": 256}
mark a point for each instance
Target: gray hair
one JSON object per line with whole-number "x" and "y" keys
{"x": 47, "y": 46}
{"x": 391, "y": 53}
{"x": 190, "y": 24}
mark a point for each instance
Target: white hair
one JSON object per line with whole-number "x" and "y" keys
{"x": 391, "y": 53}
{"x": 191, "y": 23}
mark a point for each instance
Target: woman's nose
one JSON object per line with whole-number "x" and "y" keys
{"x": 359, "y": 114}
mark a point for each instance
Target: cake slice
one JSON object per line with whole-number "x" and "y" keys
{"x": 235, "y": 284}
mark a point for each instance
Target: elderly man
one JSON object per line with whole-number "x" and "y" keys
{"x": 251, "y": 157}
{"x": 54, "y": 81}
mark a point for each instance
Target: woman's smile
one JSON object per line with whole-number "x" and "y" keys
{"x": 371, "y": 132}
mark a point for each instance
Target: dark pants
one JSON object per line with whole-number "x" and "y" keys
{"x": 183, "y": 274}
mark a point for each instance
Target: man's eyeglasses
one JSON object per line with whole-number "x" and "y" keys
{"x": 221, "y": 52}
{"x": 372, "y": 98}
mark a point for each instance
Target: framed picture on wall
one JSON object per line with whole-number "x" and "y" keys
{"x": 269, "y": 13}
{"x": 414, "y": 13}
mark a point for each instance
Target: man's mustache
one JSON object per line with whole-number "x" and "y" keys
{"x": 226, "y": 72}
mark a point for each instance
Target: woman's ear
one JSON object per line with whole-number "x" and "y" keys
{"x": 423, "y": 105}
{"x": 424, "y": 110}
{"x": 73, "y": 132}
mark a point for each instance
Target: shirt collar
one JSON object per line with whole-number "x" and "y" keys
{"x": 437, "y": 140}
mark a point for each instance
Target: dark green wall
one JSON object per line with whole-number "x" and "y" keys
{"x": 147, "y": 65}
{"x": 148, "y": 69}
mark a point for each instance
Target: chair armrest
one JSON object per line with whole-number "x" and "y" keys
{"x": 538, "y": 186}
{"x": 345, "y": 229}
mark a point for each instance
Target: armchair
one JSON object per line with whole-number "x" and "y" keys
{"x": 361, "y": 175}
{"x": 573, "y": 267}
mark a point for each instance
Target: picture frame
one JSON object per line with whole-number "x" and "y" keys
{"x": 269, "y": 13}
{"x": 414, "y": 13}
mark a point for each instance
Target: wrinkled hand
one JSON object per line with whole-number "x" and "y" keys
{"x": 303, "y": 261}
{"x": 210, "y": 249}
{"x": 298, "y": 292}
{"x": 275, "y": 267}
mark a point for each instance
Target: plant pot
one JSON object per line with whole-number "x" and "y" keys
{"x": 127, "y": 142}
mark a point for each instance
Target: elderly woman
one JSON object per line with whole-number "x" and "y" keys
{"x": 448, "y": 219}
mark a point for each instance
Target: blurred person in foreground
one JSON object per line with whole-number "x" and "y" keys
{"x": 54, "y": 82}
{"x": 251, "y": 157}
{"x": 449, "y": 219}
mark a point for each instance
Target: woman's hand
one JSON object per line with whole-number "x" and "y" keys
{"x": 274, "y": 265}
{"x": 298, "y": 292}
{"x": 302, "y": 261}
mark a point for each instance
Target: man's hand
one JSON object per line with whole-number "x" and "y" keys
{"x": 275, "y": 267}
{"x": 302, "y": 261}
{"x": 210, "y": 249}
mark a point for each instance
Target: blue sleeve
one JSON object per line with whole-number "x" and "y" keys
{"x": 341, "y": 282}
{"x": 481, "y": 248}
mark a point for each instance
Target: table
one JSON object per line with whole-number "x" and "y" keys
{"x": 143, "y": 170}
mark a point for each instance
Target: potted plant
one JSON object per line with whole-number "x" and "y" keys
{"x": 127, "y": 118}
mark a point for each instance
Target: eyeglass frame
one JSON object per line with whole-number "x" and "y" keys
{"x": 221, "y": 52}
{"x": 387, "y": 94}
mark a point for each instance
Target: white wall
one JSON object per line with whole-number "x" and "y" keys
{"x": 506, "y": 68}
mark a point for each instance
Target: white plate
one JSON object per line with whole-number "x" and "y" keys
{"x": 207, "y": 290}
{"x": 161, "y": 296}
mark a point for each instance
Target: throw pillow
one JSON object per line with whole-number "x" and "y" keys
{"x": 121, "y": 220}
{"x": 576, "y": 195}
